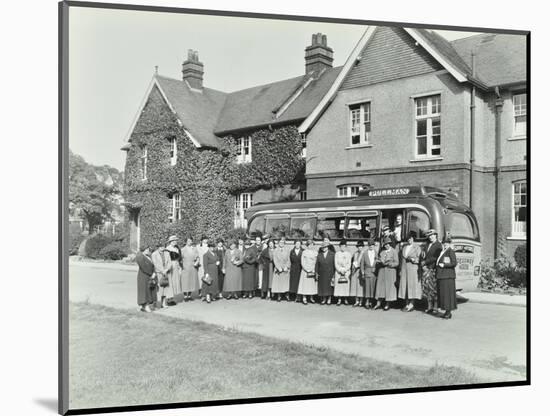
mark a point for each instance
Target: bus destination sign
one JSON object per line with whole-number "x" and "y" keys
{"x": 389, "y": 192}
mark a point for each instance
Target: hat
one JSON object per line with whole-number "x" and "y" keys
{"x": 325, "y": 244}
{"x": 172, "y": 238}
{"x": 343, "y": 243}
{"x": 266, "y": 237}
{"x": 371, "y": 242}
{"x": 412, "y": 234}
{"x": 430, "y": 232}
{"x": 360, "y": 244}
{"x": 385, "y": 227}
{"x": 386, "y": 240}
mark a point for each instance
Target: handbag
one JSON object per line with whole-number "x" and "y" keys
{"x": 163, "y": 282}
{"x": 207, "y": 279}
{"x": 342, "y": 279}
{"x": 152, "y": 283}
{"x": 310, "y": 274}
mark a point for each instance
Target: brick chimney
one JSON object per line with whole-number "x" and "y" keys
{"x": 193, "y": 70}
{"x": 318, "y": 54}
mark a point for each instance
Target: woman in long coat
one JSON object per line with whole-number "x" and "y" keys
{"x": 368, "y": 271}
{"x": 202, "y": 249}
{"x": 173, "y": 257}
{"x": 428, "y": 262}
{"x": 250, "y": 261}
{"x": 210, "y": 284}
{"x": 387, "y": 275}
{"x": 189, "y": 275}
{"x": 324, "y": 271}
{"x": 146, "y": 292}
{"x": 295, "y": 269}
{"x": 307, "y": 287}
{"x": 161, "y": 268}
{"x": 357, "y": 285}
{"x": 281, "y": 268}
{"x": 410, "y": 287}
{"x": 233, "y": 282}
{"x": 446, "y": 276}
{"x": 266, "y": 267}
{"x": 342, "y": 263}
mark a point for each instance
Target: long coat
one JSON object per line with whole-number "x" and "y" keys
{"x": 342, "y": 264}
{"x": 429, "y": 257}
{"x": 220, "y": 253}
{"x": 410, "y": 285}
{"x": 387, "y": 274}
{"x": 189, "y": 273}
{"x": 368, "y": 270}
{"x": 308, "y": 285}
{"x": 209, "y": 261}
{"x": 265, "y": 265}
{"x": 281, "y": 267}
{"x": 161, "y": 268}
{"x": 233, "y": 281}
{"x": 173, "y": 258}
{"x": 295, "y": 270}
{"x": 324, "y": 269}
{"x": 446, "y": 275}
{"x": 145, "y": 294}
{"x": 202, "y": 251}
{"x": 250, "y": 262}
{"x": 357, "y": 283}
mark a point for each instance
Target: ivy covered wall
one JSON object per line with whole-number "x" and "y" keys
{"x": 206, "y": 179}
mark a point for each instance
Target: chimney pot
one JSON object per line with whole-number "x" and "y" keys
{"x": 193, "y": 70}
{"x": 319, "y": 56}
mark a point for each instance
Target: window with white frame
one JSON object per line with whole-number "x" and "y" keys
{"x": 519, "y": 209}
{"x": 347, "y": 191}
{"x": 143, "y": 162}
{"x": 360, "y": 124}
{"x": 242, "y": 203}
{"x": 303, "y": 195}
{"x": 173, "y": 151}
{"x": 428, "y": 126}
{"x": 174, "y": 208}
{"x": 304, "y": 145}
{"x": 244, "y": 150}
{"x": 520, "y": 114}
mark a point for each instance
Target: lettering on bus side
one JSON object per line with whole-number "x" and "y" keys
{"x": 389, "y": 192}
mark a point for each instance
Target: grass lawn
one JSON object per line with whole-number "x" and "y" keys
{"x": 120, "y": 358}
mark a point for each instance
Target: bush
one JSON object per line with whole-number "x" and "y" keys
{"x": 95, "y": 244}
{"x": 113, "y": 251}
{"x": 236, "y": 234}
{"x": 520, "y": 256}
{"x": 502, "y": 274}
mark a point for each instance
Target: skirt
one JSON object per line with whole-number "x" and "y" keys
{"x": 249, "y": 278}
{"x": 429, "y": 285}
{"x": 370, "y": 287}
{"x": 307, "y": 285}
{"x": 446, "y": 290}
{"x": 211, "y": 289}
{"x": 280, "y": 282}
{"x": 189, "y": 279}
{"x": 357, "y": 286}
{"x": 410, "y": 286}
{"x": 266, "y": 273}
{"x": 341, "y": 289}
{"x": 385, "y": 285}
{"x": 174, "y": 279}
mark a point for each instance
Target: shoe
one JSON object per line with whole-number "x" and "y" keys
{"x": 328, "y": 301}
{"x": 147, "y": 309}
{"x": 323, "y": 302}
{"x": 311, "y": 300}
{"x": 304, "y": 302}
{"x": 447, "y": 315}
{"x": 250, "y": 296}
{"x": 208, "y": 300}
{"x": 428, "y": 311}
{"x": 346, "y": 302}
{"x": 339, "y": 302}
{"x": 386, "y": 308}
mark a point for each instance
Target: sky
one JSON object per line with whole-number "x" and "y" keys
{"x": 113, "y": 54}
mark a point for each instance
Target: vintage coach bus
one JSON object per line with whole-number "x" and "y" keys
{"x": 362, "y": 217}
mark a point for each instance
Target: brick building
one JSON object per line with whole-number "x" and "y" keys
{"x": 410, "y": 107}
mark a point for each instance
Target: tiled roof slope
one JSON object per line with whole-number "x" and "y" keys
{"x": 499, "y": 59}
{"x": 198, "y": 111}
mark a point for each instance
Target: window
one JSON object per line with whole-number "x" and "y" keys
{"x": 462, "y": 226}
{"x": 362, "y": 225}
{"x": 303, "y": 195}
{"x": 520, "y": 114}
{"x": 278, "y": 226}
{"x": 519, "y": 209}
{"x": 304, "y": 145}
{"x": 330, "y": 225}
{"x": 244, "y": 154}
{"x": 174, "y": 209}
{"x": 428, "y": 126}
{"x": 257, "y": 226}
{"x": 302, "y": 226}
{"x": 242, "y": 203}
{"x": 419, "y": 222}
{"x": 173, "y": 151}
{"x": 143, "y": 162}
{"x": 348, "y": 191}
{"x": 360, "y": 124}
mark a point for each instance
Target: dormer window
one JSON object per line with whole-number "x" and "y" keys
{"x": 173, "y": 151}
{"x": 244, "y": 150}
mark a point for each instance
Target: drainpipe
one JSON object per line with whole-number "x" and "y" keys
{"x": 498, "y": 157}
{"x": 472, "y": 133}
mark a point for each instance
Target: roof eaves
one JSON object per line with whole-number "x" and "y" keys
{"x": 258, "y": 126}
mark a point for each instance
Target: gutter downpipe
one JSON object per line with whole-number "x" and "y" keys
{"x": 498, "y": 157}
{"x": 472, "y": 133}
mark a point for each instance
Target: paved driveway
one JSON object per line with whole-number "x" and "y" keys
{"x": 489, "y": 340}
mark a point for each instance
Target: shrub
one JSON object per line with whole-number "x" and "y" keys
{"x": 520, "y": 256}
{"x": 115, "y": 250}
{"x": 236, "y": 234}
{"x": 502, "y": 274}
{"x": 95, "y": 244}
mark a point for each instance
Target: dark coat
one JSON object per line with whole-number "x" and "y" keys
{"x": 145, "y": 293}
{"x": 448, "y": 258}
{"x": 295, "y": 270}
{"x": 324, "y": 270}
{"x": 430, "y": 255}
{"x": 250, "y": 262}
{"x": 211, "y": 268}
{"x": 220, "y": 253}
{"x": 265, "y": 263}
{"x": 446, "y": 287}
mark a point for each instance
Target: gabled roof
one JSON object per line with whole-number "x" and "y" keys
{"x": 257, "y": 106}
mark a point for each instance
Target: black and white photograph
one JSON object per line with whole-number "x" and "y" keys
{"x": 267, "y": 207}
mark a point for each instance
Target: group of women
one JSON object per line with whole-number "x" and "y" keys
{"x": 373, "y": 276}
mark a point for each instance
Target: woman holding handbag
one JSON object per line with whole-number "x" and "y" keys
{"x": 173, "y": 260}
{"x": 387, "y": 274}
{"x": 410, "y": 286}
{"x": 210, "y": 263}
{"x": 146, "y": 285}
{"x": 368, "y": 271}
{"x": 233, "y": 282}
{"x": 190, "y": 266}
{"x": 307, "y": 287}
{"x": 342, "y": 264}
{"x": 446, "y": 276}
{"x": 357, "y": 281}
{"x": 281, "y": 270}
{"x": 266, "y": 267}
{"x": 161, "y": 268}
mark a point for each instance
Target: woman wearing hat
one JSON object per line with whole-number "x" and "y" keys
{"x": 250, "y": 260}
{"x": 308, "y": 286}
{"x": 324, "y": 272}
{"x": 387, "y": 274}
{"x": 342, "y": 263}
{"x": 173, "y": 253}
{"x": 281, "y": 270}
{"x": 295, "y": 269}
{"x": 233, "y": 282}
{"x": 146, "y": 283}
{"x": 446, "y": 276}
{"x": 210, "y": 262}
{"x": 368, "y": 271}
{"x": 190, "y": 264}
{"x": 266, "y": 267}
{"x": 428, "y": 262}
{"x": 357, "y": 286}
{"x": 410, "y": 287}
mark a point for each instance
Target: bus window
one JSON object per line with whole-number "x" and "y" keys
{"x": 302, "y": 226}
{"x": 257, "y": 226}
{"x": 419, "y": 222}
{"x": 331, "y": 226}
{"x": 277, "y": 227}
{"x": 362, "y": 225}
{"x": 390, "y": 219}
{"x": 460, "y": 225}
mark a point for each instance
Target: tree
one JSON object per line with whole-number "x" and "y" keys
{"x": 90, "y": 193}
